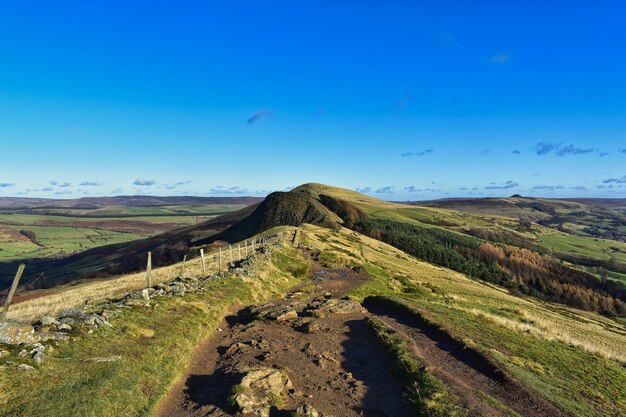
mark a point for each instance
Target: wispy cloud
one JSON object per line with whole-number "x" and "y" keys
{"x": 572, "y": 150}
{"x": 65, "y": 192}
{"x": 504, "y": 186}
{"x": 319, "y": 111}
{"x": 143, "y": 182}
{"x": 418, "y": 153}
{"x": 117, "y": 191}
{"x": 65, "y": 185}
{"x": 259, "y": 115}
{"x": 172, "y": 186}
{"x": 385, "y": 190}
{"x": 53, "y": 182}
{"x": 227, "y": 190}
{"x": 403, "y": 103}
{"x": 544, "y": 148}
{"x": 602, "y": 154}
{"x": 622, "y": 151}
{"x": 412, "y": 189}
{"x": 90, "y": 184}
{"x": 6, "y": 184}
{"x": 621, "y": 180}
{"x": 484, "y": 152}
{"x": 499, "y": 59}
{"x": 516, "y": 152}
{"x": 47, "y": 189}
{"x": 363, "y": 190}
{"x": 463, "y": 47}
{"x": 548, "y": 187}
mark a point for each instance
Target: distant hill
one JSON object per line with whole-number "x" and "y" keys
{"x": 596, "y": 217}
{"x": 280, "y": 209}
{"x": 482, "y": 238}
{"x": 131, "y": 201}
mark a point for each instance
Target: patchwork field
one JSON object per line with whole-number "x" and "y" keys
{"x": 53, "y": 233}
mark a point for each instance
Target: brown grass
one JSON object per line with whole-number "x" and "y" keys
{"x": 101, "y": 290}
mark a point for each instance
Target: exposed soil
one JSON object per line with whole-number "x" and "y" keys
{"x": 466, "y": 372}
{"x": 340, "y": 369}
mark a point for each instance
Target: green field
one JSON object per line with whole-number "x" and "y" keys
{"x": 585, "y": 246}
{"x": 55, "y": 241}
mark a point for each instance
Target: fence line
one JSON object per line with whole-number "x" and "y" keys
{"x": 99, "y": 290}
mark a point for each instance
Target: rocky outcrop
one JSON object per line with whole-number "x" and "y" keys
{"x": 277, "y": 312}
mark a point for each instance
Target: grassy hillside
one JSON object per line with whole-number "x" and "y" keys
{"x": 464, "y": 242}
{"x": 574, "y": 358}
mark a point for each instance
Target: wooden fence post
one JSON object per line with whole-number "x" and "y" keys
{"x": 220, "y": 260}
{"x": 203, "y": 264}
{"x": 245, "y": 244}
{"x": 16, "y": 281}
{"x": 182, "y": 268}
{"x": 149, "y": 271}
{"x": 230, "y": 251}
{"x": 238, "y": 250}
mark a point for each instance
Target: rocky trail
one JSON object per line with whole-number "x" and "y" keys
{"x": 314, "y": 352}
{"x": 320, "y": 342}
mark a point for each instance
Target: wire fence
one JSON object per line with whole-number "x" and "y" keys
{"x": 197, "y": 263}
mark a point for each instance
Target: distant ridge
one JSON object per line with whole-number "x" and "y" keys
{"x": 131, "y": 200}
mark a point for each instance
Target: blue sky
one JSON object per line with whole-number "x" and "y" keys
{"x": 405, "y": 100}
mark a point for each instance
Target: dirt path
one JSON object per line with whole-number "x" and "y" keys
{"x": 336, "y": 363}
{"x": 466, "y": 372}
{"x": 333, "y": 359}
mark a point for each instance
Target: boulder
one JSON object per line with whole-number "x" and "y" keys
{"x": 39, "y": 357}
{"x": 137, "y": 303}
{"x": 259, "y": 389}
{"x": 15, "y": 333}
{"x": 287, "y": 315}
{"x": 306, "y": 411}
{"x": 308, "y": 325}
{"x": 64, "y": 327}
{"x": 50, "y": 321}
{"x": 277, "y": 312}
